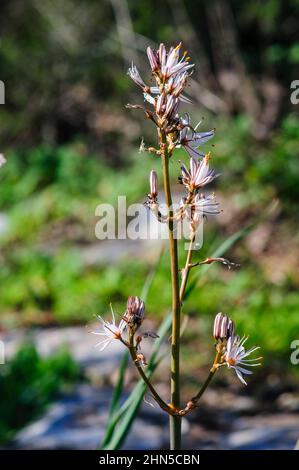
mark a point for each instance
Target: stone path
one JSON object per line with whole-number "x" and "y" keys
{"x": 231, "y": 420}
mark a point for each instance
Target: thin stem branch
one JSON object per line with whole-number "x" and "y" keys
{"x": 175, "y": 421}
{"x": 142, "y": 374}
{"x": 193, "y": 402}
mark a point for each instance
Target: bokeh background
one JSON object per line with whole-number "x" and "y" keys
{"x": 70, "y": 145}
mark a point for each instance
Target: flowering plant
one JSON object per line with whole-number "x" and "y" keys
{"x": 171, "y": 72}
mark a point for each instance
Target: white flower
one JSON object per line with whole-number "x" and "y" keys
{"x": 110, "y": 331}
{"x": 170, "y": 62}
{"x": 205, "y": 205}
{"x": 199, "y": 174}
{"x": 235, "y": 355}
{"x": 191, "y": 140}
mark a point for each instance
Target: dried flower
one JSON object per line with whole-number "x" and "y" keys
{"x": 110, "y": 331}
{"x": 199, "y": 174}
{"x": 134, "y": 314}
{"x": 235, "y": 355}
{"x": 141, "y": 361}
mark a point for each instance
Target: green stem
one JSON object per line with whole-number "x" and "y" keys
{"x": 175, "y": 421}
{"x": 142, "y": 374}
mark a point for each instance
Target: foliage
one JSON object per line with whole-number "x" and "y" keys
{"x": 28, "y": 382}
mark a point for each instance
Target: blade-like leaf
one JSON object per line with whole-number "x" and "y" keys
{"x": 128, "y": 412}
{"x": 114, "y": 406}
{"x": 114, "y": 411}
{"x": 130, "y": 408}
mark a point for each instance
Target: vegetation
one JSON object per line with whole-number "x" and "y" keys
{"x": 28, "y": 383}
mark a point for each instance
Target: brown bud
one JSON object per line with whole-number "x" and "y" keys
{"x": 134, "y": 314}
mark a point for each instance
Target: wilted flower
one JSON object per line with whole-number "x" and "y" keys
{"x": 191, "y": 140}
{"x": 235, "y": 355}
{"x": 199, "y": 174}
{"x": 109, "y": 330}
{"x": 134, "y": 314}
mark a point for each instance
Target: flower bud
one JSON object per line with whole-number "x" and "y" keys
{"x": 134, "y": 314}
{"x": 171, "y": 106}
{"x": 162, "y": 53}
{"x": 160, "y": 105}
{"x": 153, "y": 184}
{"x": 153, "y": 59}
{"x": 223, "y": 327}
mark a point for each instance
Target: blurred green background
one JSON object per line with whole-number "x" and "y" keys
{"x": 71, "y": 145}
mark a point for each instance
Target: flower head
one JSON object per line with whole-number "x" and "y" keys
{"x": 205, "y": 205}
{"x": 110, "y": 331}
{"x": 199, "y": 174}
{"x": 171, "y": 63}
{"x": 235, "y": 356}
{"x": 191, "y": 140}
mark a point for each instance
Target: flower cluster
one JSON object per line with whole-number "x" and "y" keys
{"x": 231, "y": 349}
{"x": 171, "y": 72}
{"x": 125, "y": 330}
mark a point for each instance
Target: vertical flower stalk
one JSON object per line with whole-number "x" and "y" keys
{"x": 170, "y": 72}
{"x": 175, "y": 421}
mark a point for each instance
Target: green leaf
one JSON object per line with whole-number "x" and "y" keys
{"x": 124, "y": 419}
{"x": 115, "y": 411}
{"x": 130, "y": 408}
{"x": 114, "y": 406}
